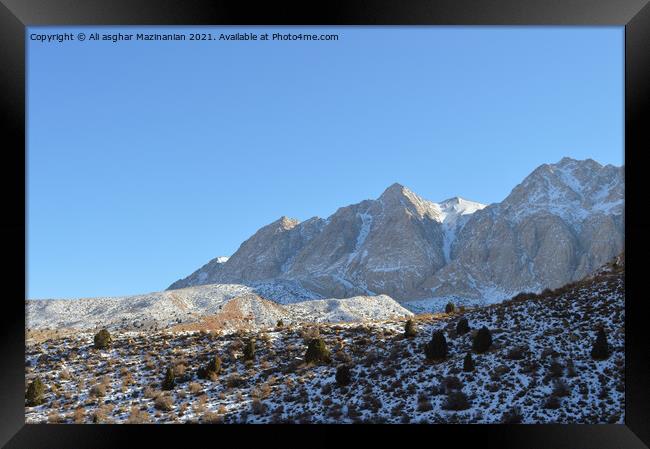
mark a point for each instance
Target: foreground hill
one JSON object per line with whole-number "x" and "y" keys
{"x": 538, "y": 369}
{"x": 558, "y": 225}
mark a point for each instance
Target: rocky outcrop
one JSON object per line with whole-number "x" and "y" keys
{"x": 562, "y": 222}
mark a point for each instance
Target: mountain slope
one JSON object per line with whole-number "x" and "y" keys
{"x": 538, "y": 369}
{"x": 225, "y": 307}
{"x": 562, "y": 222}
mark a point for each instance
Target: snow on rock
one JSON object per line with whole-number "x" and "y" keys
{"x": 538, "y": 369}
{"x": 559, "y": 224}
{"x": 357, "y": 308}
{"x": 222, "y": 306}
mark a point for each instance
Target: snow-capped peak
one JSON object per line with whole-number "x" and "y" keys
{"x": 454, "y": 207}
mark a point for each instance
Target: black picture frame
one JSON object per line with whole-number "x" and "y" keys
{"x": 15, "y": 15}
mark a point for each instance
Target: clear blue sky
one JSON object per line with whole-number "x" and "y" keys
{"x": 147, "y": 159}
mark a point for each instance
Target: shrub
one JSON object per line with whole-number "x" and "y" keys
{"x": 163, "y": 402}
{"x": 343, "y": 375}
{"x": 103, "y": 339}
{"x": 169, "y": 380}
{"x": 35, "y": 392}
{"x": 456, "y": 400}
{"x": 516, "y": 353}
{"x": 258, "y": 407}
{"x": 450, "y": 307}
{"x": 234, "y": 381}
{"x": 452, "y": 383}
{"x": 512, "y": 416}
{"x": 424, "y": 405}
{"x": 249, "y": 349}
{"x": 561, "y": 389}
{"x": 600, "y": 349}
{"x": 462, "y": 327}
{"x": 552, "y": 403}
{"x": 137, "y": 416}
{"x": 317, "y": 352}
{"x": 555, "y": 369}
{"x": 98, "y": 391}
{"x": 280, "y": 323}
{"x": 195, "y": 388}
{"x": 482, "y": 340}
{"x": 436, "y": 349}
{"x": 409, "y": 329}
{"x": 468, "y": 363}
{"x": 212, "y": 368}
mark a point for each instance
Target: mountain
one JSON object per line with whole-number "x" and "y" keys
{"x": 225, "y": 307}
{"x": 562, "y": 222}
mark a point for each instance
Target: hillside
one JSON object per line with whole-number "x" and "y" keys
{"x": 538, "y": 369}
{"x": 216, "y": 307}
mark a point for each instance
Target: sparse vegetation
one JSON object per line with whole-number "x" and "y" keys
{"x": 537, "y": 369}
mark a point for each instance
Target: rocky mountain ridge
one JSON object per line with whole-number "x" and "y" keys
{"x": 562, "y": 222}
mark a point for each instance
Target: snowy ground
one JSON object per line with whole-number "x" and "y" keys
{"x": 538, "y": 370}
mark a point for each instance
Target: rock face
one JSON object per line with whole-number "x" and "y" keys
{"x": 561, "y": 223}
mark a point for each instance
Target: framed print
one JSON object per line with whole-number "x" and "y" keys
{"x": 364, "y": 217}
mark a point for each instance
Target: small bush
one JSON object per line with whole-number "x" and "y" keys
{"x": 456, "y": 400}
{"x": 343, "y": 375}
{"x": 409, "y": 329}
{"x": 450, "y": 307}
{"x": 249, "y": 349}
{"x": 482, "y": 340}
{"x": 98, "y": 391}
{"x": 556, "y": 369}
{"x": 35, "y": 393}
{"x": 234, "y": 381}
{"x": 163, "y": 402}
{"x": 137, "y": 416}
{"x": 258, "y": 407}
{"x": 436, "y": 349}
{"x": 561, "y": 389}
{"x": 516, "y": 353}
{"x": 103, "y": 339}
{"x": 169, "y": 381}
{"x": 600, "y": 349}
{"x": 280, "y": 323}
{"x": 468, "y": 363}
{"x": 552, "y": 403}
{"x": 452, "y": 383}
{"x": 462, "y": 327}
{"x": 211, "y": 369}
{"x": 512, "y": 416}
{"x": 317, "y": 352}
